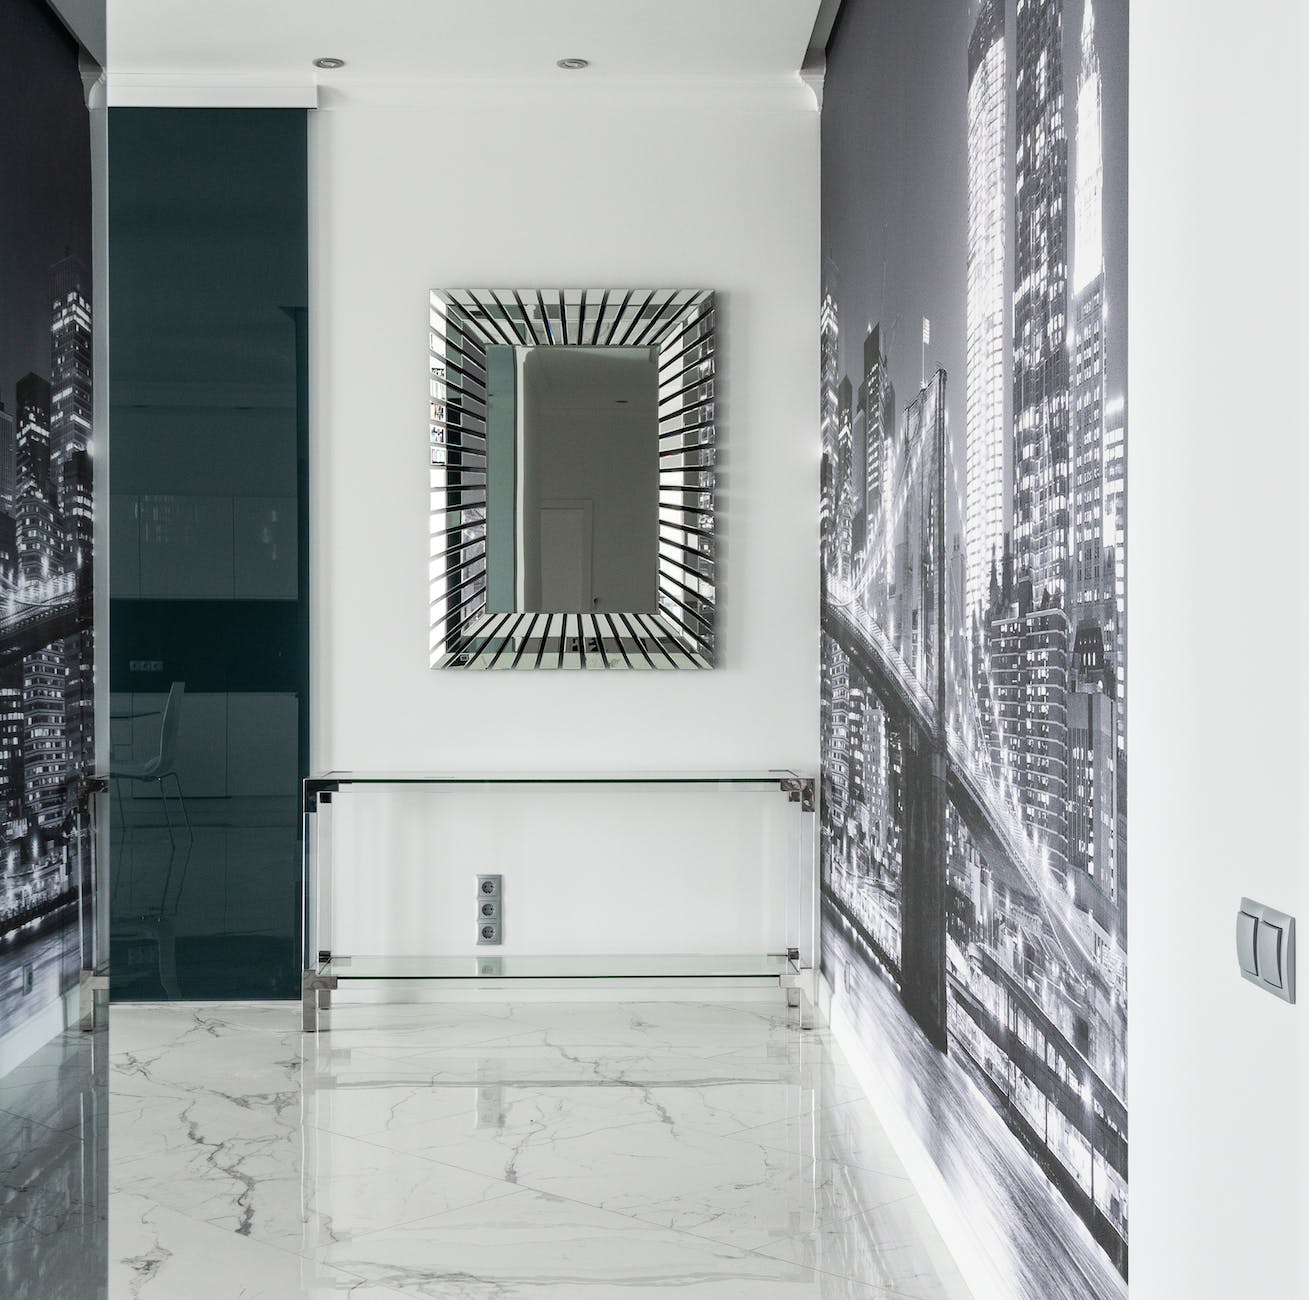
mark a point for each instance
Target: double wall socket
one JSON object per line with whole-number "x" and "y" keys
{"x": 490, "y": 910}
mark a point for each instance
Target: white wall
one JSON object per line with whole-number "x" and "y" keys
{"x": 1218, "y": 482}
{"x": 645, "y": 869}
{"x": 578, "y": 185}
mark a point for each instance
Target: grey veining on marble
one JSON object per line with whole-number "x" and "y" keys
{"x": 486, "y": 1151}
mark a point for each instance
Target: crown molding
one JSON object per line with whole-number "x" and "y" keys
{"x": 813, "y": 71}
{"x": 784, "y": 92}
{"x": 185, "y": 90}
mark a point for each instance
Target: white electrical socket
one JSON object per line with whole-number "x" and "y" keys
{"x": 490, "y": 910}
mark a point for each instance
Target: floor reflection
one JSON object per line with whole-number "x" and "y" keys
{"x": 53, "y": 1168}
{"x": 37, "y": 965}
{"x": 211, "y": 914}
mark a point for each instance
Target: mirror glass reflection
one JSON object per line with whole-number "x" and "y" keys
{"x": 572, "y": 479}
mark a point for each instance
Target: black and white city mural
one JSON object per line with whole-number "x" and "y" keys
{"x": 46, "y": 688}
{"x": 974, "y": 697}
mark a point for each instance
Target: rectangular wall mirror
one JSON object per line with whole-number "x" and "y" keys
{"x": 572, "y": 478}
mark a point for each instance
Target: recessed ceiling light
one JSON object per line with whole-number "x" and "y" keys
{"x": 329, "y": 63}
{"x": 573, "y": 65}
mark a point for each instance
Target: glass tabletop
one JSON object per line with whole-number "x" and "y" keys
{"x": 617, "y": 966}
{"x": 364, "y": 777}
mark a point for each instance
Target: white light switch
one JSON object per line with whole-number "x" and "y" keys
{"x": 1265, "y": 948}
{"x": 1268, "y": 952}
{"x": 1246, "y": 927}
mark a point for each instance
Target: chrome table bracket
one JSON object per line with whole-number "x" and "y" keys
{"x": 315, "y": 996}
{"x": 800, "y": 789}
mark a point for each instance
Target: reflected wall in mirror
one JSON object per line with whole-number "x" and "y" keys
{"x": 572, "y": 478}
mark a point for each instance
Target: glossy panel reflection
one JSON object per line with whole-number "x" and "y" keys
{"x": 572, "y": 454}
{"x": 209, "y": 590}
{"x": 54, "y": 1194}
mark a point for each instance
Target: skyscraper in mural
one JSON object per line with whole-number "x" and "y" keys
{"x": 829, "y": 342}
{"x": 988, "y": 246}
{"x": 1092, "y": 602}
{"x": 71, "y": 471}
{"x": 8, "y": 459}
{"x": 846, "y": 495}
{"x": 1040, "y": 356}
{"x": 70, "y": 366}
{"x": 1036, "y": 745}
{"x": 880, "y": 399}
{"x": 1093, "y": 730}
{"x": 1115, "y": 524}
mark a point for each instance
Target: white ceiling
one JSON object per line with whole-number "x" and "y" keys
{"x": 422, "y": 40}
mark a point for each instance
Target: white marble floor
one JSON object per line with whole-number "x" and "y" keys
{"x": 492, "y": 1151}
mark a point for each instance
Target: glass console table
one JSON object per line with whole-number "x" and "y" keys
{"x": 790, "y": 929}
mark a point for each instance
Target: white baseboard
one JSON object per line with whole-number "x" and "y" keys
{"x": 53, "y": 1019}
{"x": 970, "y": 1255}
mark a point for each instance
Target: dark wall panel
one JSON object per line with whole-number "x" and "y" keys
{"x": 209, "y": 562}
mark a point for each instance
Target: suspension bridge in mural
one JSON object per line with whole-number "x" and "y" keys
{"x": 37, "y": 878}
{"x": 1003, "y": 1004}
{"x": 33, "y": 616}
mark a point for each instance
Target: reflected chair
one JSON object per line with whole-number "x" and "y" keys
{"x": 162, "y": 766}
{"x": 156, "y": 929}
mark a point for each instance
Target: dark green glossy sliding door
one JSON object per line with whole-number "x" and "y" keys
{"x": 209, "y": 613}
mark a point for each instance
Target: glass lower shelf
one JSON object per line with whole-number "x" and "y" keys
{"x": 765, "y": 779}
{"x": 652, "y": 966}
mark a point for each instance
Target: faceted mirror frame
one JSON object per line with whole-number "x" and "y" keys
{"x": 679, "y": 324}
